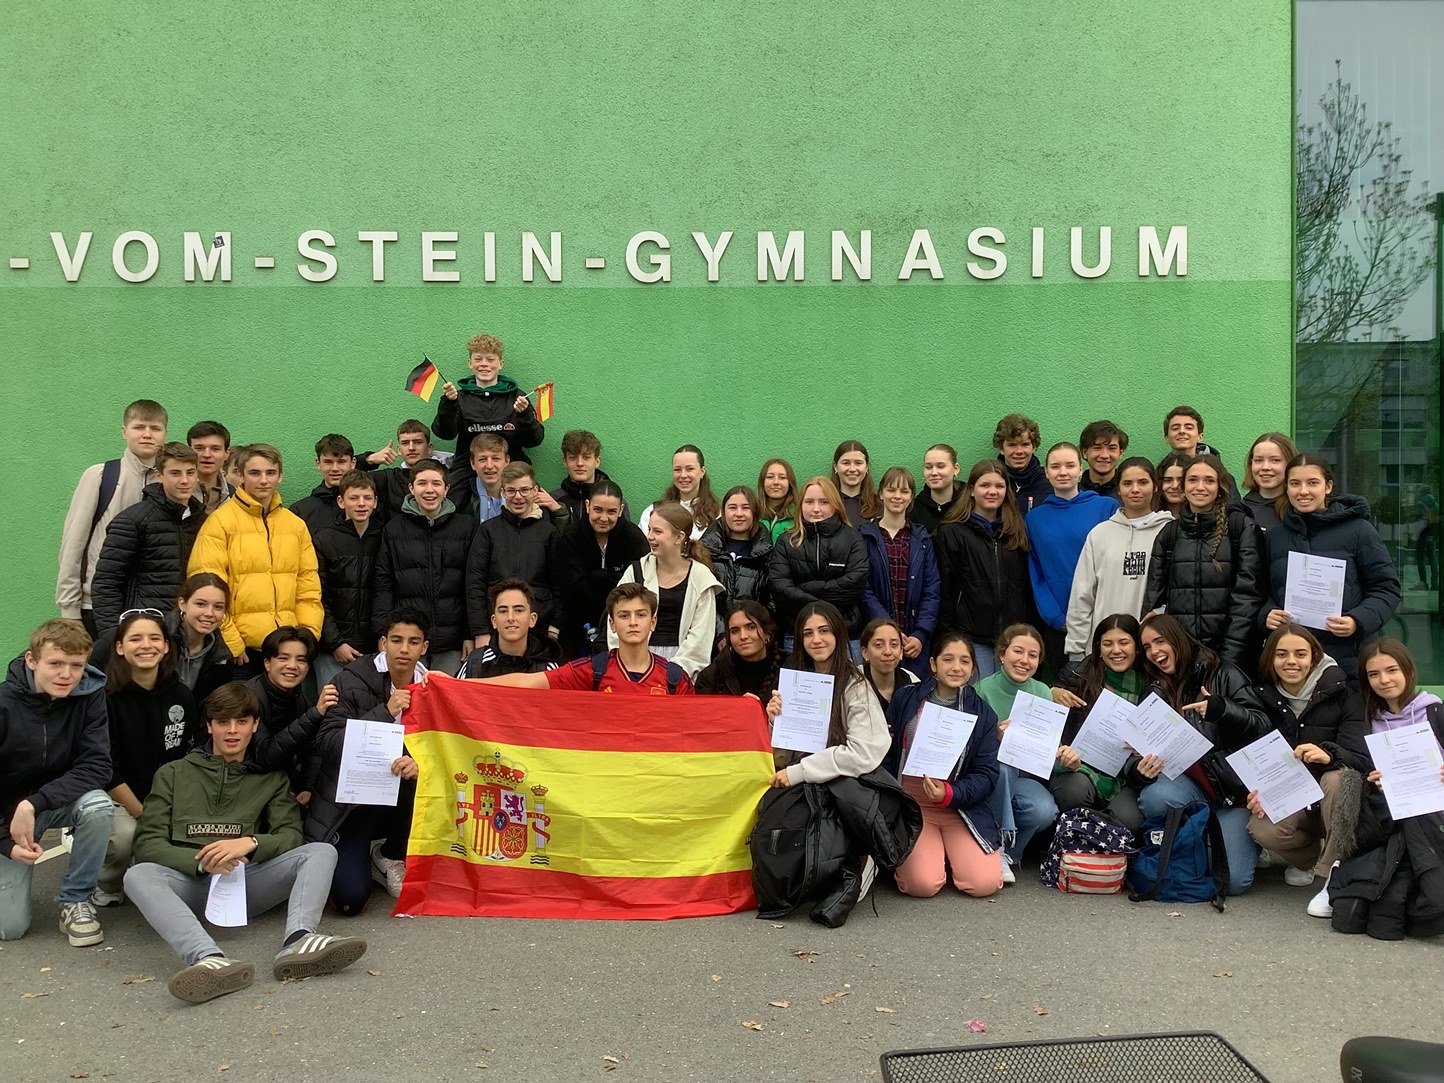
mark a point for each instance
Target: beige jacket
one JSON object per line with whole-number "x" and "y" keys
{"x": 79, "y": 550}
{"x": 864, "y": 747}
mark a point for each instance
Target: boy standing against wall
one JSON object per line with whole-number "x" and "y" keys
{"x": 1017, "y": 438}
{"x": 486, "y": 401}
{"x": 265, "y": 555}
{"x": 346, "y": 560}
{"x": 1183, "y": 429}
{"x": 1103, "y": 444}
{"x": 211, "y": 441}
{"x": 105, "y": 490}
{"x": 143, "y": 561}
{"x": 582, "y": 456}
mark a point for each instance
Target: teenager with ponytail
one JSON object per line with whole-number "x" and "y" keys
{"x": 1208, "y": 570}
{"x": 679, "y": 571}
{"x": 691, "y": 487}
{"x": 852, "y": 474}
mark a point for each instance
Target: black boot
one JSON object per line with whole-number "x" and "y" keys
{"x": 833, "y": 909}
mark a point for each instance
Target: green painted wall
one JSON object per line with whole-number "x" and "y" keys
{"x": 269, "y": 119}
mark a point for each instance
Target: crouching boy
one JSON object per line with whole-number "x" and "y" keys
{"x": 208, "y": 813}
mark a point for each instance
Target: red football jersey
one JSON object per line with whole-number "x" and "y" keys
{"x": 579, "y": 678}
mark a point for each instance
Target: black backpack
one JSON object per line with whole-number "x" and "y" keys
{"x": 675, "y": 673}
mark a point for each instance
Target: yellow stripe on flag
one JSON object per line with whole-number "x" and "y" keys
{"x": 621, "y": 814}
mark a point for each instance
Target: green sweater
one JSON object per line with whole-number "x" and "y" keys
{"x": 201, "y": 798}
{"x": 999, "y": 691}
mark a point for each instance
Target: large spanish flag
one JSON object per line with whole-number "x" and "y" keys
{"x": 577, "y": 805}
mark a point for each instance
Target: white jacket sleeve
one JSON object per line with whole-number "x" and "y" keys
{"x": 699, "y": 629}
{"x": 1079, "y": 620}
{"x": 867, "y": 741}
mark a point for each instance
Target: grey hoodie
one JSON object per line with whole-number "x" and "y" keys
{"x": 1112, "y": 575}
{"x": 1300, "y": 701}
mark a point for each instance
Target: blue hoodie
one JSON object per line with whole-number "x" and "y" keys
{"x": 1057, "y": 529}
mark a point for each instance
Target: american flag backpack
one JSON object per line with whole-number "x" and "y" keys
{"x": 1088, "y": 855}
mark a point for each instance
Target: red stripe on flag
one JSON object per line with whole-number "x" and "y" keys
{"x": 449, "y": 887}
{"x": 518, "y": 716}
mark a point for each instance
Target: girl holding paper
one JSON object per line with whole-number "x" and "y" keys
{"x": 1310, "y": 703}
{"x": 1319, "y": 523}
{"x": 857, "y": 741}
{"x": 1021, "y": 803}
{"x": 1215, "y": 698}
{"x": 960, "y": 836}
{"x": 1208, "y": 569}
{"x": 1113, "y": 664}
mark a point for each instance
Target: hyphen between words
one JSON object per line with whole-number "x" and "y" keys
{"x": 135, "y": 255}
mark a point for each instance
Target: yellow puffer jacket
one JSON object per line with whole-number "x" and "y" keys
{"x": 270, "y": 564}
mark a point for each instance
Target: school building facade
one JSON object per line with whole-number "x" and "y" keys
{"x": 757, "y": 228}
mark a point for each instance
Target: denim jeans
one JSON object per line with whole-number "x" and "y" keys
{"x": 90, "y": 815}
{"x": 1241, "y": 850}
{"x": 1021, "y": 805}
{"x": 986, "y": 659}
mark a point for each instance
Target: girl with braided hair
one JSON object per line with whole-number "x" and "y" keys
{"x": 1208, "y": 569}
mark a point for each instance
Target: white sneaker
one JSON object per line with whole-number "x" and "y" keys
{"x": 1298, "y": 877}
{"x": 1267, "y": 859}
{"x": 214, "y": 976}
{"x": 106, "y": 898}
{"x": 386, "y": 871}
{"x": 1008, "y": 875}
{"x": 869, "y": 874}
{"x": 79, "y": 923}
{"x": 1319, "y": 905}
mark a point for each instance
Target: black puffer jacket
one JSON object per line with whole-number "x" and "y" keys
{"x": 1233, "y": 718}
{"x": 721, "y": 678}
{"x": 829, "y": 566}
{"x": 595, "y": 574}
{"x": 1333, "y": 720}
{"x": 346, "y": 562}
{"x": 477, "y": 410}
{"x": 287, "y": 731}
{"x": 528, "y": 549}
{"x": 573, "y": 495}
{"x": 318, "y": 510}
{"x": 1218, "y": 606}
{"x": 985, "y": 585}
{"x": 423, "y": 564}
{"x": 143, "y": 561}
{"x": 741, "y": 576}
{"x": 1341, "y": 530}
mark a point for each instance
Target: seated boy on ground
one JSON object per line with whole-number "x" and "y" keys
{"x": 370, "y": 840}
{"x": 208, "y": 813}
{"x": 54, "y": 766}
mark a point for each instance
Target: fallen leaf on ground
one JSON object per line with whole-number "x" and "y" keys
{"x": 224, "y": 1068}
{"x": 1038, "y": 1009}
{"x": 779, "y": 926}
{"x": 752, "y": 1024}
{"x": 79, "y": 1075}
{"x": 374, "y": 973}
{"x": 46, "y": 969}
{"x": 977, "y": 1026}
{"x": 780, "y": 1003}
{"x": 835, "y": 997}
{"x": 1175, "y": 913}
{"x": 716, "y": 977}
{"x": 611, "y": 1060}
{"x": 803, "y": 953}
{"x": 137, "y": 979}
{"x": 985, "y": 996}
{"x": 32, "y": 996}
{"x": 273, "y": 1032}
{"x": 482, "y": 1064}
{"x": 886, "y": 1011}
{"x": 488, "y": 1049}
{"x": 1224, "y": 974}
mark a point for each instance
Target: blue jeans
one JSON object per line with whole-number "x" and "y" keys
{"x": 1239, "y": 847}
{"x": 1021, "y": 805}
{"x": 986, "y": 661}
{"x": 90, "y": 815}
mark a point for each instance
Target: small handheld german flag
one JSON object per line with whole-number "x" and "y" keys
{"x": 422, "y": 379}
{"x": 542, "y": 399}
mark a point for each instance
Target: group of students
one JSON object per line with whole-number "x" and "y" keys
{"x": 211, "y": 604}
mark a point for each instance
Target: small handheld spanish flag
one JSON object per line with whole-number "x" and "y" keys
{"x": 422, "y": 379}
{"x": 542, "y": 400}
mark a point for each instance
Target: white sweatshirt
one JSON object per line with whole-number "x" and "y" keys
{"x": 1112, "y": 575}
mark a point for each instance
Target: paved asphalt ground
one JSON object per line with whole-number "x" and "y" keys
{"x": 439, "y": 998}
